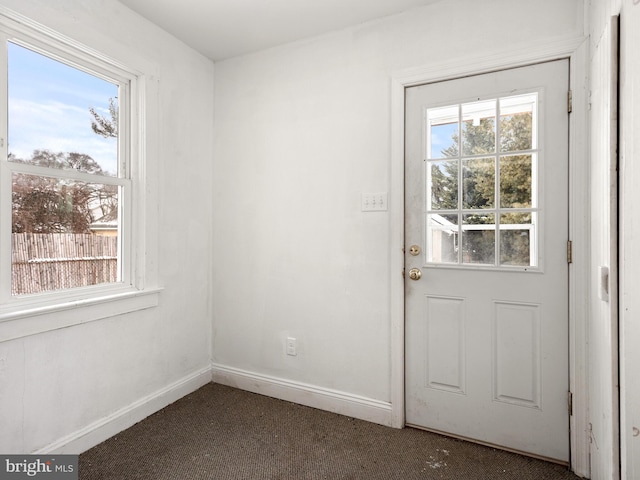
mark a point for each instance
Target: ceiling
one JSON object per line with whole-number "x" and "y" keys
{"x": 222, "y": 29}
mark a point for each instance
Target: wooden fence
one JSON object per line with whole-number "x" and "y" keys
{"x": 54, "y": 261}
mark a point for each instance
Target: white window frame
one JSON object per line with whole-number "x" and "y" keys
{"x": 535, "y": 253}
{"x": 31, "y": 314}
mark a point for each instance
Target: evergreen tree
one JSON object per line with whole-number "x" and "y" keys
{"x": 478, "y": 186}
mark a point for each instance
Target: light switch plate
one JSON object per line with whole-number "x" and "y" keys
{"x": 374, "y": 202}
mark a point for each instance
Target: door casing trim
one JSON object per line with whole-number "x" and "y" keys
{"x": 576, "y": 50}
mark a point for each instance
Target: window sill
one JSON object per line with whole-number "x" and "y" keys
{"x": 29, "y": 320}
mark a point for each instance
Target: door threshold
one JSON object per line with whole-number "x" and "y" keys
{"x": 491, "y": 445}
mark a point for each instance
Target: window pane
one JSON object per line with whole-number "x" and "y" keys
{"x": 516, "y": 181}
{"x": 516, "y": 123}
{"x": 442, "y": 238}
{"x": 464, "y": 189}
{"x": 56, "y": 111}
{"x": 442, "y": 185}
{"x": 478, "y": 238}
{"x": 64, "y": 234}
{"x": 443, "y": 132}
{"x": 516, "y": 237}
{"x": 479, "y": 128}
{"x": 478, "y": 183}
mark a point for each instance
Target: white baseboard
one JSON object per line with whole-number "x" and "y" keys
{"x": 322, "y": 398}
{"x": 99, "y": 431}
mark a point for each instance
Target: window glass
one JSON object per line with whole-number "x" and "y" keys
{"x": 443, "y": 184}
{"x": 516, "y": 123}
{"x": 491, "y": 190}
{"x": 67, "y": 186}
{"x": 442, "y": 233}
{"x": 516, "y": 181}
{"x": 478, "y": 187}
{"x": 443, "y": 128}
{"x": 515, "y": 238}
{"x": 59, "y": 109}
{"x": 478, "y": 238}
{"x": 479, "y": 128}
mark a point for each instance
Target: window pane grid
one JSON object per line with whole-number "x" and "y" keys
{"x": 67, "y": 172}
{"x": 484, "y": 176}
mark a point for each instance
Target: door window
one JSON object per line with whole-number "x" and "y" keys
{"x": 481, "y": 171}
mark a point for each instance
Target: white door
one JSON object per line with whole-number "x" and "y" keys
{"x": 486, "y": 227}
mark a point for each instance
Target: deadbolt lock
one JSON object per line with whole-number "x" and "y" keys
{"x": 414, "y": 250}
{"x": 415, "y": 274}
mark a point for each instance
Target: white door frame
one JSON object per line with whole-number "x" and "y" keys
{"x": 576, "y": 50}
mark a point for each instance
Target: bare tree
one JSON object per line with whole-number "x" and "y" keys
{"x": 104, "y": 126}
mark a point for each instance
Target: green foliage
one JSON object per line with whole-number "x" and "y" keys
{"x": 515, "y": 181}
{"x": 477, "y": 190}
{"x": 444, "y": 185}
{"x": 478, "y": 183}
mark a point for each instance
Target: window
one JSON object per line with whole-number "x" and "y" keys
{"x": 69, "y": 181}
{"x": 481, "y": 171}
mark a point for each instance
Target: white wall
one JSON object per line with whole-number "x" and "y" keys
{"x": 301, "y": 131}
{"x": 57, "y": 386}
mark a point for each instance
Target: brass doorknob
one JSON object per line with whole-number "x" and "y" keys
{"x": 415, "y": 274}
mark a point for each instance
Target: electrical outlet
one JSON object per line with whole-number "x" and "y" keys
{"x": 292, "y": 346}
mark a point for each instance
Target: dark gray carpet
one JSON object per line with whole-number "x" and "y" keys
{"x": 220, "y": 432}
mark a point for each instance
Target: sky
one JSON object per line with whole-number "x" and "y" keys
{"x": 49, "y": 108}
{"x": 442, "y": 138}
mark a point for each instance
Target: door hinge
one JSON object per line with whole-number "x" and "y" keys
{"x": 570, "y": 404}
{"x": 569, "y": 101}
{"x": 569, "y": 251}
